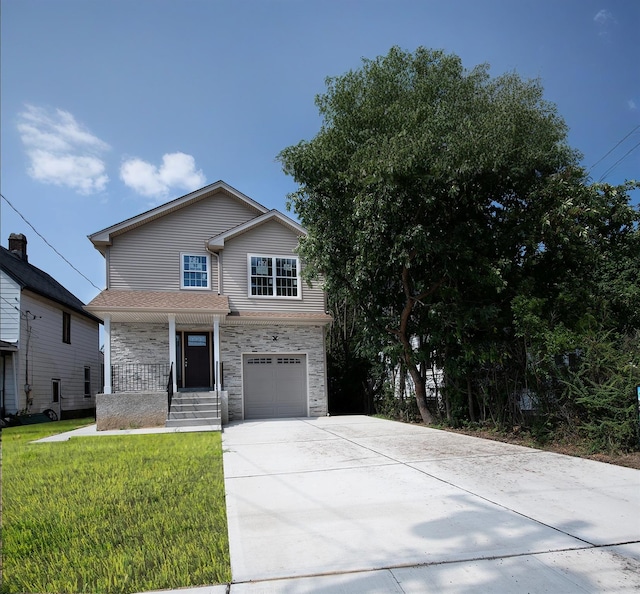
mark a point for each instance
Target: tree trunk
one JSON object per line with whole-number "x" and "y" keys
{"x": 402, "y": 380}
{"x": 421, "y": 394}
{"x": 403, "y": 335}
{"x": 472, "y": 414}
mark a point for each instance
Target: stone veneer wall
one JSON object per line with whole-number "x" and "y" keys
{"x": 132, "y": 347}
{"x": 139, "y": 343}
{"x": 236, "y": 340}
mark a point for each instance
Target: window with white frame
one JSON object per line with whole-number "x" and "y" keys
{"x": 194, "y": 271}
{"x": 274, "y": 276}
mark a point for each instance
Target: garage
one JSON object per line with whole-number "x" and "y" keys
{"x": 274, "y": 386}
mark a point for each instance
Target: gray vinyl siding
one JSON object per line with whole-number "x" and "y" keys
{"x": 148, "y": 257}
{"x": 50, "y": 358}
{"x": 269, "y": 239}
{"x": 9, "y": 308}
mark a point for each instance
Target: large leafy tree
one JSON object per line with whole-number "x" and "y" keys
{"x": 423, "y": 193}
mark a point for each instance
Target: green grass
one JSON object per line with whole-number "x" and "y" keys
{"x": 112, "y": 514}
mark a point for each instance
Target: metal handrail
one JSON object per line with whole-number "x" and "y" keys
{"x": 170, "y": 388}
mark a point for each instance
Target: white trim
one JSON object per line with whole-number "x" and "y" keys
{"x": 273, "y": 257}
{"x": 182, "y": 271}
{"x": 103, "y": 237}
{"x": 107, "y": 353}
{"x": 172, "y": 350}
{"x": 216, "y": 243}
{"x": 216, "y": 354}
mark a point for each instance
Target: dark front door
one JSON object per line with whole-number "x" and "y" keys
{"x": 197, "y": 360}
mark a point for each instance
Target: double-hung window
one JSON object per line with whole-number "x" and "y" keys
{"x": 274, "y": 276}
{"x": 194, "y": 271}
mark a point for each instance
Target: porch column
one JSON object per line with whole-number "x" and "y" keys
{"x": 107, "y": 354}
{"x": 172, "y": 350}
{"x": 216, "y": 352}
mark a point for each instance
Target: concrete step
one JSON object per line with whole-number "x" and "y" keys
{"x": 194, "y": 414}
{"x": 191, "y": 397}
{"x": 194, "y": 409}
{"x": 194, "y": 406}
{"x": 201, "y": 422}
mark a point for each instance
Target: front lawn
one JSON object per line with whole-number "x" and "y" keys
{"x": 112, "y": 514}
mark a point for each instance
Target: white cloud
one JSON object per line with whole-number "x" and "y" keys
{"x": 604, "y": 17}
{"x": 605, "y": 22}
{"x": 178, "y": 170}
{"x": 61, "y": 151}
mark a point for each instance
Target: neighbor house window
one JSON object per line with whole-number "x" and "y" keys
{"x": 66, "y": 327}
{"x": 55, "y": 390}
{"x": 87, "y": 382}
{"x": 194, "y": 271}
{"x": 274, "y": 276}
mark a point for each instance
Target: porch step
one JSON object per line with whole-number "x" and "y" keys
{"x": 194, "y": 409}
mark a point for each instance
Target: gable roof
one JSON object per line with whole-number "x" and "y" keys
{"x": 38, "y": 281}
{"x": 217, "y": 242}
{"x": 102, "y": 238}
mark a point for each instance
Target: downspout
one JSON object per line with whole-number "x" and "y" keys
{"x": 216, "y": 327}
{"x": 218, "y": 288}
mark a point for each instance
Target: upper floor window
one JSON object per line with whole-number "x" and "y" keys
{"x": 274, "y": 276}
{"x": 66, "y": 327}
{"x": 194, "y": 271}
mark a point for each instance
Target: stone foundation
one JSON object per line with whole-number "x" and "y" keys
{"x": 131, "y": 410}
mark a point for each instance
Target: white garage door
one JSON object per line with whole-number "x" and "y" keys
{"x": 275, "y": 386}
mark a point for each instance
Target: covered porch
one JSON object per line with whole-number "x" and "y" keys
{"x": 156, "y": 344}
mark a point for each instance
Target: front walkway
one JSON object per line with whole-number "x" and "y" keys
{"x": 92, "y": 431}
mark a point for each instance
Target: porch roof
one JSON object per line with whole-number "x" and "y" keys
{"x": 189, "y": 307}
{"x": 246, "y": 317}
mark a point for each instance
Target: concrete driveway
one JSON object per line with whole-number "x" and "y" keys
{"x": 358, "y": 504}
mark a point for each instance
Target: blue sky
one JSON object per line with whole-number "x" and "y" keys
{"x": 110, "y": 107}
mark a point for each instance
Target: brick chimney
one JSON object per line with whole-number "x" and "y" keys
{"x": 18, "y": 245}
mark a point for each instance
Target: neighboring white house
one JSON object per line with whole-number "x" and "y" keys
{"x": 49, "y": 345}
{"x": 205, "y": 294}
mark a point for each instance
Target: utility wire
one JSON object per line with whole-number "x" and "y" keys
{"x": 614, "y": 148}
{"x": 11, "y": 305}
{"x": 43, "y": 239}
{"x": 608, "y": 171}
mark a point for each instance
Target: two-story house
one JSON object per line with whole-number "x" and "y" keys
{"x": 205, "y": 296}
{"x": 50, "y": 358}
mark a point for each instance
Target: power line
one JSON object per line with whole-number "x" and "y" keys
{"x": 608, "y": 171}
{"x": 43, "y": 239}
{"x": 614, "y": 148}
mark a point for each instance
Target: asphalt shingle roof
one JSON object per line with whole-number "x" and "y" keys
{"x": 38, "y": 281}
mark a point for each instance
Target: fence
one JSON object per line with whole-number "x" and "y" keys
{"x": 140, "y": 377}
